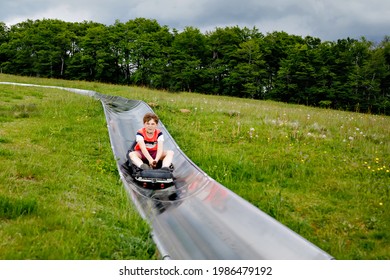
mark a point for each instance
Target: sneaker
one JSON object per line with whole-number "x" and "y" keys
{"x": 144, "y": 166}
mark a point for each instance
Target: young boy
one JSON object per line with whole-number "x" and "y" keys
{"x": 150, "y": 145}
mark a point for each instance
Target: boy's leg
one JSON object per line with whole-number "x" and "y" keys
{"x": 167, "y": 158}
{"x": 136, "y": 158}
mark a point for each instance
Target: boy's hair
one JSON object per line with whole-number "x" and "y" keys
{"x": 149, "y": 116}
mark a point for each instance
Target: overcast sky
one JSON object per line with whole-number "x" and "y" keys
{"x": 325, "y": 19}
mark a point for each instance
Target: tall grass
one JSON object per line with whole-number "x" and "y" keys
{"x": 323, "y": 173}
{"x": 60, "y": 195}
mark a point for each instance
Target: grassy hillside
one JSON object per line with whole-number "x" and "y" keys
{"x": 323, "y": 173}
{"x": 60, "y": 195}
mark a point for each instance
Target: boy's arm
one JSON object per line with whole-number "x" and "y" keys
{"x": 160, "y": 149}
{"x": 145, "y": 152}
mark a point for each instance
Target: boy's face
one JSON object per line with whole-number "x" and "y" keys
{"x": 150, "y": 126}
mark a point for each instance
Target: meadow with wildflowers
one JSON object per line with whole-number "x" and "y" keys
{"x": 323, "y": 173}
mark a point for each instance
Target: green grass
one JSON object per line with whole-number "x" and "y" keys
{"x": 323, "y": 173}
{"x": 60, "y": 195}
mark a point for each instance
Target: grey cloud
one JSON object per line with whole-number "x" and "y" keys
{"x": 326, "y": 19}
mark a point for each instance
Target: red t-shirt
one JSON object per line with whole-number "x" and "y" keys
{"x": 150, "y": 143}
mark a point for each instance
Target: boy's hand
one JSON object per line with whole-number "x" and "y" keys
{"x": 154, "y": 164}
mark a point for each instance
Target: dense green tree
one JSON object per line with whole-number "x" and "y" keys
{"x": 187, "y": 60}
{"x": 19, "y": 50}
{"x": 3, "y": 42}
{"x": 94, "y": 60}
{"x": 362, "y": 78}
{"x": 121, "y": 36}
{"x": 224, "y": 44}
{"x": 52, "y": 43}
{"x": 276, "y": 47}
{"x": 38, "y": 48}
{"x": 379, "y": 65}
{"x": 248, "y": 76}
{"x": 303, "y": 76}
{"x": 346, "y": 74}
{"x": 3, "y": 32}
{"x": 150, "y": 48}
{"x": 141, "y": 48}
{"x": 83, "y": 54}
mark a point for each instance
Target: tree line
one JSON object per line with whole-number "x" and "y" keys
{"x": 346, "y": 74}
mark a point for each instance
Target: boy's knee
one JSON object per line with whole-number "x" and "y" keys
{"x": 132, "y": 154}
